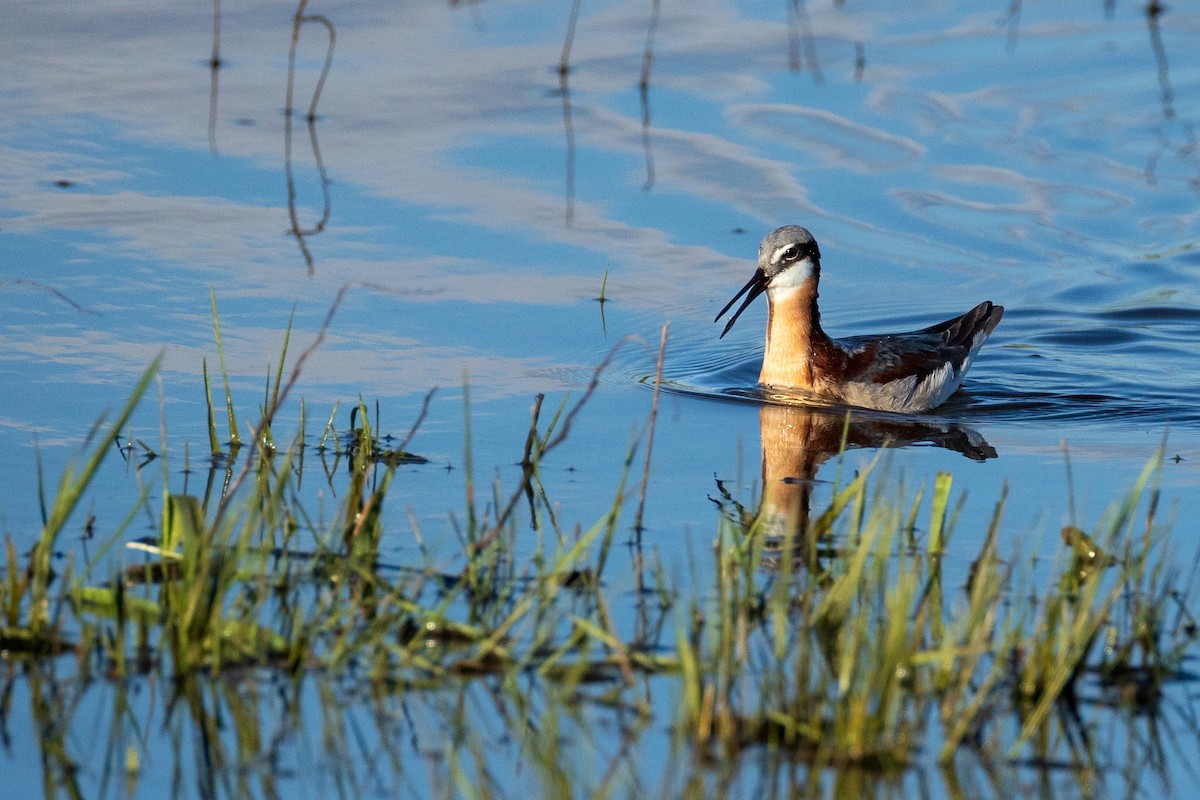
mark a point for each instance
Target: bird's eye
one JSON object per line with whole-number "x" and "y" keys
{"x": 791, "y": 254}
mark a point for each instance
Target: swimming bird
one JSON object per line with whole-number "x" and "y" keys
{"x": 904, "y": 372}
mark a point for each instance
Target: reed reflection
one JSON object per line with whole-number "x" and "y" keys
{"x": 297, "y": 230}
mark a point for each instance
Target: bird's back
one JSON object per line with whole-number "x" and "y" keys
{"x": 915, "y": 370}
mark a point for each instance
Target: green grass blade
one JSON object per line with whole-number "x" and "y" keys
{"x": 234, "y": 440}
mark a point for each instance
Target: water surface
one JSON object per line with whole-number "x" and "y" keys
{"x": 941, "y": 153}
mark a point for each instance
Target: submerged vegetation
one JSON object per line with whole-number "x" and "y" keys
{"x": 275, "y": 645}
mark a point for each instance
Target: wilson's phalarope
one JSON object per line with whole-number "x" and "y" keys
{"x": 905, "y": 372}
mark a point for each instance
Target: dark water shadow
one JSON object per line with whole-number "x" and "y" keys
{"x": 48, "y": 289}
{"x": 301, "y": 233}
{"x": 564, "y": 91}
{"x": 214, "y": 66}
{"x": 1185, "y": 150}
{"x": 644, "y": 92}
{"x": 801, "y": 43}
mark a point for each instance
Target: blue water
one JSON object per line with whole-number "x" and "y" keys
{"x": 1046, "y": 162}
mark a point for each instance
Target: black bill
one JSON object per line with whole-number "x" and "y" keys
{"x": 756, "y": 286}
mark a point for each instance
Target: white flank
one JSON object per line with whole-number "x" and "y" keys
{"x": 905, "y": 394}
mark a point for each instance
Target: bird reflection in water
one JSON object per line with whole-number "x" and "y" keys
{"x": 797, "y": 440}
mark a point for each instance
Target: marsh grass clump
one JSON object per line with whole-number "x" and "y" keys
{"x": 846, "y": 655}
{"x": 813, "y": 654}
{"x": 246, "y": 576}
{"x": 833, "y": 643}
{"x": 33, "y": 597}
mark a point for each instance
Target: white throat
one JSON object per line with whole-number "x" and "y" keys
{"x": 791, "y": 279}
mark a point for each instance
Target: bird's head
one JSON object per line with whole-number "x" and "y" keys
{"x": 787, "y": 259}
